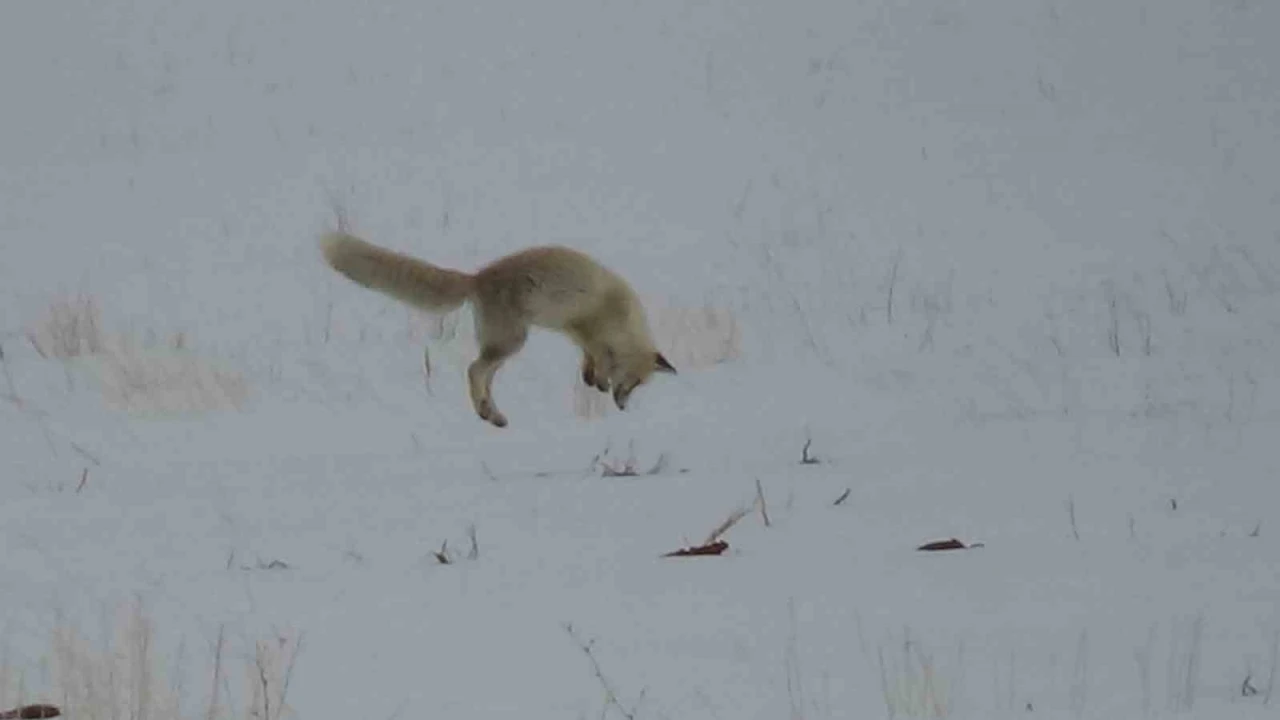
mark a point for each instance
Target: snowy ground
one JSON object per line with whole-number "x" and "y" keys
{"x": 1012, "y": 268}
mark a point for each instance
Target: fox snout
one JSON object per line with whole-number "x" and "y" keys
{"x": 622, "y": 390}
{"x": 621, "y": 394}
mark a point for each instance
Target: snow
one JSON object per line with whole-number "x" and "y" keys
{"x": 1012, "y": 268}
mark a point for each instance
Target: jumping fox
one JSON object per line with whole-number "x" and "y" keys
{"x": 551, "y": 287}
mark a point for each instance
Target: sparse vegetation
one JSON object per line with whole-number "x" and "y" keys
{"x": 150, "y": 378}
{"x": 70, "y": 328}
{"x": 910, "y": 682}
{"x": 170, "y": 380}
{"x": 612, "y": 700}
{"x": 128, "y": 676}
{"x": 990, "y": 282}
{"x": 805, "y": 457}
{"x": 627, "y": 467}
{"x": 444, "y": 557}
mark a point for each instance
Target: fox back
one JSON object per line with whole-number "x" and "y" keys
{"x": 562, "y": 289}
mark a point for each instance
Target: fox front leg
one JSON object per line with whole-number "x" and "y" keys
{"x": 591, "y": 374}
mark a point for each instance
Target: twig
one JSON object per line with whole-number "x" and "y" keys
{"x": 212, "y": 712}
{"x": 805, "y": 457}
{"x": 716, "y": 548}
{"x": 795, "y": 687}
{"x": 35, "y": 343}
{"x": 474, "y": 552}
{"x": 713, "y": 545}
{"x": 266, "y": 686}
{"x": 1271, "y": 674}
{"x": 950, "y": 544}
{"x": 659, "y": 465}
{"x": 288, "y": 671}
{"x": 13, "y": 391}
{"x": 843, "y": 496}
{"x": 1071, "y": 514}
{"x": 764, "y": 508}
{"x": 610, "y": 695}
{"x": 1113, "y": 332}
{"x": 893, "y": 281}
{"x": 723, "y": 527}
{"x": 84, "y": 478}
{"x": 426, "y": 367}
{"x": 84, "y": 453}
{"x": 442, "y": 555}
{"x": 31, "y": 711}
{"x": 13, "y": 397}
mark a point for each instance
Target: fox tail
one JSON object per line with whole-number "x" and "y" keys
{"x": 402, "y": 277}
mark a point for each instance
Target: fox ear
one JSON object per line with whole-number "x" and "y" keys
{"x": 662, "y": 365}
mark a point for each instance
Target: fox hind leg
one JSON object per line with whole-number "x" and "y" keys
{"x": 497, "y": 344}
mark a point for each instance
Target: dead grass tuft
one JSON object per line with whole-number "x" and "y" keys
{"x": 71, "y": 328}
{"x": 125, "y": 675}
{"x": 162, "y": 380}
{"x": 911, "y": 683}
{"x": 164, "y": 377}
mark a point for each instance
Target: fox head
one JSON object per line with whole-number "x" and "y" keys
{"x": 637, "y": 372}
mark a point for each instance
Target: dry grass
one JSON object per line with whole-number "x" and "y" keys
{"x": 119, "y": 680}
{"x": 733, "y": 519}
{"x": 167, "y": 380}
{"x": 268, "y": 678}
{"x": 126, "y": 676}
{"x": 911, "y": 684}
{"x": 157, "y": 378}
{"x": 70, "y": 328}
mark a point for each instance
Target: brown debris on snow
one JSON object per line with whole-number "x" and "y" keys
{"x": 951, "y": 544}
{"x": 31, "y": 711}
{"x": 714, "y": 548}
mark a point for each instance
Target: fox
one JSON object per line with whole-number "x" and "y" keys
{"x": 552, "y": 287}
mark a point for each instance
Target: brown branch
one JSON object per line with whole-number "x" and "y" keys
{"x": 714, "y": 548}
{"x": 31, "y": 711}
{"x": 764, "y": 508}
{"x": 951, "y": 544}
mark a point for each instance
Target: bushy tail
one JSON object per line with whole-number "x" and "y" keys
{"x": 404, "y": 278}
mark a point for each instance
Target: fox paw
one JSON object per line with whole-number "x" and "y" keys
{"x": 490, "y": 414}
{"x": 590, "y": 378}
